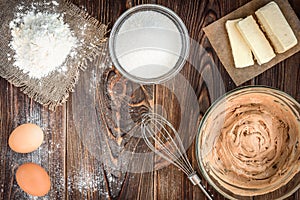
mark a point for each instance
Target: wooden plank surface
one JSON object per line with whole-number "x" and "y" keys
{"x": 17, "y": 109}
{"x": 77, "y": 171}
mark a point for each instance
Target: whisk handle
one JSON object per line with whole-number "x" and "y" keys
{"x": 194, "y": 178}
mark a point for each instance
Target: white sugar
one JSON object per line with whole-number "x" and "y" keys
{"x": 148, "y": 44}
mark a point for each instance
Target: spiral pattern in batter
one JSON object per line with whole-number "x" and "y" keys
{"x": 257, "y": 144}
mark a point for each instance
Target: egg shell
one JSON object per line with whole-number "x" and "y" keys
{"x": 26, "y": 138}
{"x": 33, "y": 179}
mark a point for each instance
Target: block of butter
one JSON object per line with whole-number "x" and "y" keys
{"x": 241, "y": 52}
{"x": 256, "y": 40}
{"x": 276, "y": 27}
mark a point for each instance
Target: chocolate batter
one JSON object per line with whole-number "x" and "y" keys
{"x": 255, "y": 139}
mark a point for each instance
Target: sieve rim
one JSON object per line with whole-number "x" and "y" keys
{"x": 182, "y": 31}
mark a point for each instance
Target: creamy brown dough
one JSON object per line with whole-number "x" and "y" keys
{"x": 256, "y": 144}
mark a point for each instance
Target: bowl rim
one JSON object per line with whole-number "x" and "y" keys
{"x": 203, "y": 120}
{"x": 182, "y": 58}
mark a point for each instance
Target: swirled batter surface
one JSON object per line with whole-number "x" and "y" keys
{"x": 255, "y": 144}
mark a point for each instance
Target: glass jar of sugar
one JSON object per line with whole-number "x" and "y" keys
{"x": 149, "y": 44}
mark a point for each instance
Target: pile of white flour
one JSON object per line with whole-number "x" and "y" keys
{"x": 41, "y": 41}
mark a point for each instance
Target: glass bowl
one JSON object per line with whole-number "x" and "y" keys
{"x": 247, "y": 144}
{"x": 149, "y": 44}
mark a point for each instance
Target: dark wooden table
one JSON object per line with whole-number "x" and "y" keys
{"x": 75, "y": 172}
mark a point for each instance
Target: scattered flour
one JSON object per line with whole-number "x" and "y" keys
{"x": 86, "y": 182}
{"x": 41, "y": 41}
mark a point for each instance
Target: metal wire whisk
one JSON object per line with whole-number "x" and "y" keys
{"x": 162, "y": 138}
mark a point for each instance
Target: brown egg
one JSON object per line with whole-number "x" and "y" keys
{"x": 33, "y": 179}
{"x": 26, "y": 138}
